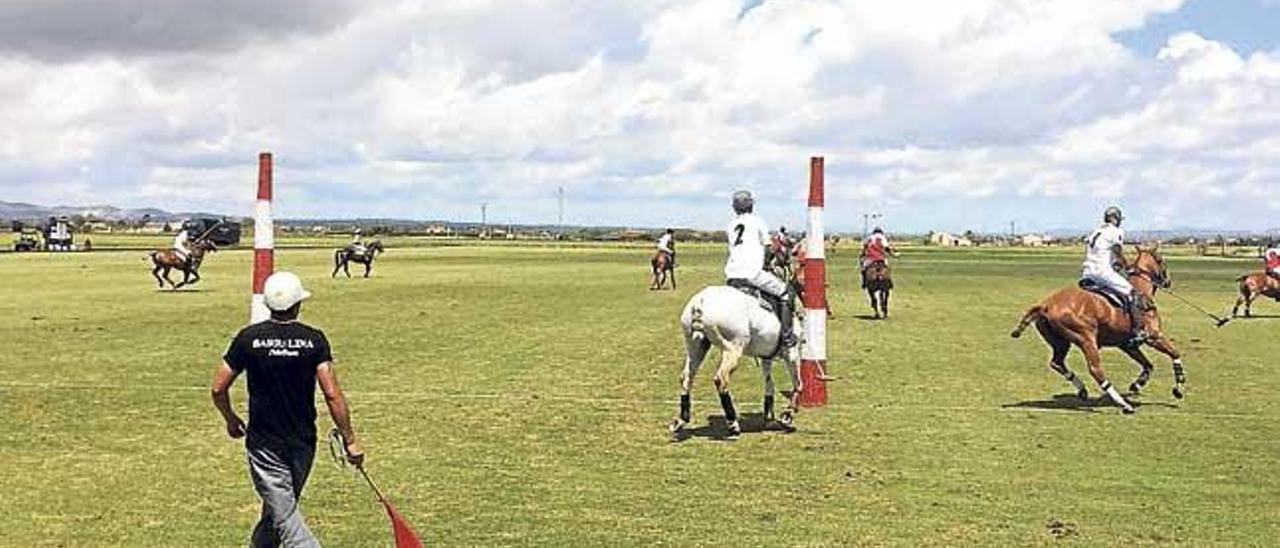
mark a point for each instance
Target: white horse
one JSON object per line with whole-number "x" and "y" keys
{"x": 735, "y": 323}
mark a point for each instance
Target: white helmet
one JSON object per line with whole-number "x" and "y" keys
{"x": 283, "y": 290}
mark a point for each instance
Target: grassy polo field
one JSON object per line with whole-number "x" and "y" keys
{"x": 518, "y": 395}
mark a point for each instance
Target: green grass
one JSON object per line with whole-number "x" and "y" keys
{"x": 519, "y": 395}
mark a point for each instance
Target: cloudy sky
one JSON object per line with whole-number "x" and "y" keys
{"x": 963, "y": 114}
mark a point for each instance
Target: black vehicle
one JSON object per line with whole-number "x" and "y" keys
{"x": 221, "y": 232}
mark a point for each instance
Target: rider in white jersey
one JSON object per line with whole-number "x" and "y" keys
{"x": 666, "y": 244}
{"x": 357, "y": 246}
{"x": 181, "y": 244}
{"x": 1104, "y": 253}
{"x": 748, "y": 237}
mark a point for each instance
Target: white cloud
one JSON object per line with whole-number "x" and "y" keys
{"x": 928, "y": 109}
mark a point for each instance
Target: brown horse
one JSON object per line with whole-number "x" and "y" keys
{"x": 1251, "y": 287}
{"x": 664, "y": 268}
{"x": 343, "y": 258}
{"x": 165, "y": 260}
{"x": 1077, "y": 317}
{"x": 878, "y": 282}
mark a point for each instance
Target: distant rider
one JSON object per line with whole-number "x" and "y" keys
{"x": 875, "y": 249}
{"x": 781, "y": 244}
{"x": 1272, "y": 257}
{"x": 1104, "y": 253}
{"x": 748, "y": 238}
{"x": 182, "y": 246}
{"x": 667, "y": 246}
{"x": 358, "y": 246}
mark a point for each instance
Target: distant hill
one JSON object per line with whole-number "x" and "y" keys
{"x": 19, "y": 211}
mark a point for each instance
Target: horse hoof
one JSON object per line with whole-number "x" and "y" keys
{"x": 1135, "y": 388}
{"x": 787, "y": 419}
{"x": 1129, "y": 410}
{"x": 1177, "y": 392}
{"x": 676, "y": 426}
{"x": 1083, "y": 395}
{"x": 735, "y": 429}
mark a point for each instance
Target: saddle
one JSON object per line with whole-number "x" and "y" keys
{"x": 1117, "y": 300}
{"x": 888, "y": 282}
{"x": 766, "y": 301}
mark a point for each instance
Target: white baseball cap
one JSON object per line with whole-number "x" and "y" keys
{"x": 283, "y": 290}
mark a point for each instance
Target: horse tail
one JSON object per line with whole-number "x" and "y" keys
{"x": 1036, "y": 312}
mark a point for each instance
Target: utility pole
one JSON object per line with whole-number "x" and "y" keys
{"x": 866, "y": 220}
{"x": 1013, "y": 231}
{"x": 484, "y": 218}
{"x": 560, "y": 213}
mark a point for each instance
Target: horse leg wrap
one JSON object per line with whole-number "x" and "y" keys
{"x": 726, "y": 402}
{"x": 1115, "y": 396}
{"x": 685, "y": 405}
{"x": 1179, "y": 375}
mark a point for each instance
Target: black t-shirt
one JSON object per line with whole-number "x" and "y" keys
{"x": 281, "y": 359}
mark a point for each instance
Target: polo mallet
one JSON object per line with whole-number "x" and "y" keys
{"x": 206, "y": 233}
{"x": 1219, "y": 320}
{"x": 404, "y": 535}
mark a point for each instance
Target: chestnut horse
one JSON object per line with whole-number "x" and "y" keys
{"x": 664, "y": 268}
{"x": 878, "y": 282}
{"x": 1251, "y": 287}
{"x": 165, "y": 260}
{"x": 777, "y": 259}
{"x": 1077, "y": 317}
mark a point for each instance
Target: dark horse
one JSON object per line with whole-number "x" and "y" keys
{"x": 342, "y": 258}
{"x": 165, "y": 260}
{"x": 878, "y": 281}
{"x": 664, "y": 268}
{"x": 1252, "y": 286}
{"x": 777, "y": 259}
{"x": 1085, "y": 319}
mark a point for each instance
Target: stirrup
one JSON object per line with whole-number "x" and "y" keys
{"x": 790, "y": 340}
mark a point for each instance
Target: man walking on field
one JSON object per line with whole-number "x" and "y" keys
{"x": 284, "y": 360}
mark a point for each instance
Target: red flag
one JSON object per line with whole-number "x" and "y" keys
{"x": 405, "y": 537}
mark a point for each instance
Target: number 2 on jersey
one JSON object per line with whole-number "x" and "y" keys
{"x": 739, "y": 229}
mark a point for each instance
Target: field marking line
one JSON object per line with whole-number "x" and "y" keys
{"x": 393, "y": 395}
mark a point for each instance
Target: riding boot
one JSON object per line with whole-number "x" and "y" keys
{"x": 786, "y": 316}
{"x": 1137, "y": 310}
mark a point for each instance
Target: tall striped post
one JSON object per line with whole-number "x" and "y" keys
{"x": 813, "y": 357}
{"x": 263, "y": 241}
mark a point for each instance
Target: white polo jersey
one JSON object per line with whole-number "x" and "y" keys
{"x": 1098, "y": 257}
{"x": 664, "y": 243}
{"x": 748, "y": 237}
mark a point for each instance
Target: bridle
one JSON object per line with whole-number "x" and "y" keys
{"x": 1158, "y": 279}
